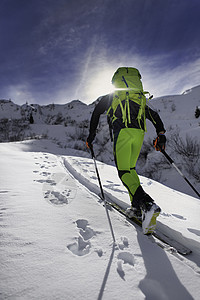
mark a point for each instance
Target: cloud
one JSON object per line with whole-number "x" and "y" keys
{"x": 163, "y": 80}
{"x": 158, "y": 77}
{"x": 86, "y": 68}
{"x": 19, "y": 93}
{"x": 70, "y": 50}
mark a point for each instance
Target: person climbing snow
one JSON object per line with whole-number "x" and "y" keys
{"x": 127, "y": 112}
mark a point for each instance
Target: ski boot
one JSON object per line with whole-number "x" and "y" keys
{"x": 150, "y": 212}
{"x": 134, "y": 212}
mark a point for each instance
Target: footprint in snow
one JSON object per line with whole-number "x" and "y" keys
{"x": 124, "y": 258}
{"x": 165, "y": 214}
{"x": 49, "y": 181}
{"x": 82, "y": 246}
{"x": 127, "y": 258}
{"x": 179, "y": 217}
{"x": 45, "y": 173}
{"x": 120, "y": 270}
{"x": 43, "y": 167}
{"x": 59, "y": 188}
{"x": 149, "y": 182}
{"x": 57, "y": 198}
{"x": 124, "y": 243}
{"x": 195, "y": 231}
{"x": 113, "y": 187}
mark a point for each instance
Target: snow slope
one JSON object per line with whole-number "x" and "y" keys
{"x": 180, "y": 212}
{"x": 177, "y": 111}
{"x": 55, "y": 238}
{"x": 68, "y": 125}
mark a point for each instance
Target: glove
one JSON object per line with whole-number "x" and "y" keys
{"x": 90, "y": 140}
{"x": 159, "y": 142}
{"x": 89, "y": 145}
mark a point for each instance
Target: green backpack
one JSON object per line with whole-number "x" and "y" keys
{"x": 128, "y": 87}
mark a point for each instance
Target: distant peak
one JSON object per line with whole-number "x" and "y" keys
{"x": 188, "y": 91}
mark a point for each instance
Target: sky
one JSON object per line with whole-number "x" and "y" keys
{"x": 59, "y": 51}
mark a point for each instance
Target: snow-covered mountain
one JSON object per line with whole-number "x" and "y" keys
{"x": 67, "y": 125}
{"x": 55, "y": 237}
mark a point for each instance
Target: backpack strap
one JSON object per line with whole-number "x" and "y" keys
{"x": 125, "y": 110}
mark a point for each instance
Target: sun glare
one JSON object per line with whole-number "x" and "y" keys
{"x": 100, "y": 85}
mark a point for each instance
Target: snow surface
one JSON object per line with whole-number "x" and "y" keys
{"x": 68, "y": 125}
{"x": 55, "y": 238}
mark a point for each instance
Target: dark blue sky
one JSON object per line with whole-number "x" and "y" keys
{"x": 57, "y": 51}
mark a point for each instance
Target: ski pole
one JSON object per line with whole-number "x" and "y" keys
{"x": 173, "y": 164}
{"x": 102, "y": 194}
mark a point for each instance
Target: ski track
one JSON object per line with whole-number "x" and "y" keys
{"x": 56, "y": 193}
{"x": 59, "y": 188}
{"x": 95, "y": 189}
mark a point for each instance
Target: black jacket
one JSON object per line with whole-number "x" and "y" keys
{"x": 104, "y": 104}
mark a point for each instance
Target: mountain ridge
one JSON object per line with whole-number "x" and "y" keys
{"x": 68, "y": 126}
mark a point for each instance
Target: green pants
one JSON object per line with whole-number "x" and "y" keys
{"x": 127, "y": 146}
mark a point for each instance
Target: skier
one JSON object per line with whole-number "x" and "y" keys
{"x": 128, "y": 122}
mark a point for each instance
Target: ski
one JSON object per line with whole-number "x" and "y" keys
{"x": 180, "y": 248}
{"x": 161, "y": 239}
